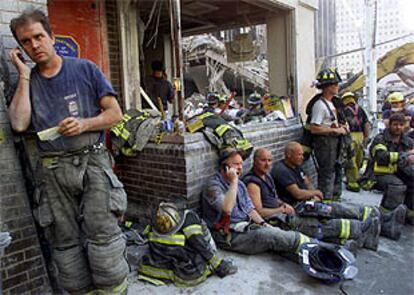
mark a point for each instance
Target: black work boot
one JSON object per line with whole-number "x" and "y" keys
{"x": 392, "y": 222}
{"x": 225, "y": 268}
{"x": 370, "y": 235}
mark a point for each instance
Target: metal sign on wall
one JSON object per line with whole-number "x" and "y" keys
{"x": 67, "y": 46}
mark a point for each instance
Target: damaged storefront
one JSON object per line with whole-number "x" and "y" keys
{"x": 178, "y": 165}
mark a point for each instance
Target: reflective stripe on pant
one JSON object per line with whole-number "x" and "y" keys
{"x": 352, "y": 173}
{"x": 84, "y": 200}
{"x": 331, "y": 229}
{"x": 326, "y": 153}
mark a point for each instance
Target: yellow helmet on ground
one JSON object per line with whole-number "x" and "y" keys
{"x": 395, "y": 97}
{"x": 348, "y": 97}
{"x": 169, "y": 218}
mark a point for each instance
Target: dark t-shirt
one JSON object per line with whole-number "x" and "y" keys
{"x": 159, "y": 87}
{"x": 267, "y": 187}
{"x": 284, "y": 176}
{"x": 73, "y": 92}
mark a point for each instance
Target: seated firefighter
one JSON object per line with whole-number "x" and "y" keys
{"x": 337, "y": 224}
{"x": 237, "y": 226}
{"x": 230, "y": 214}
{"x": 295, "y": 188}
{"x": 181, "y": 249}
{"x": 391, "y": 167}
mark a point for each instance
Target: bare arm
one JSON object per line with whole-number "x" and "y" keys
{"x": 111, "y": 114}
{"x": 303, "y": 194}
{"x": 255, "y": 196}
{"x": 255, "y": 216}
{"x": 20, "y": 108}
{"x": 321, "y": 130}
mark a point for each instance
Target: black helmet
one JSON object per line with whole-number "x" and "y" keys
{"x": 329, "y": 263}
{"x": 254, "y": 99}
{"x": 328, "y": 77}
{"x": 212, "y": 98}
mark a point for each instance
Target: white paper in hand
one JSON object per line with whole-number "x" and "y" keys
{"x": 49, "y": 134}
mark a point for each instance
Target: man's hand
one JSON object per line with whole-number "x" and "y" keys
{"x": 71, "y": 126}
{"x": 287, "y": 209}
{"x": 317, "y": 194}
{"x": 340, "y": 131}
{"x": 410, "y": 159}
{"x": 22, "y": 68}
{"x": 231, "y": 174}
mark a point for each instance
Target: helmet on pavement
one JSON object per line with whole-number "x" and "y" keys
{"x": 395, "y": 97}
{"x": 348, "y": 98}
{"x": 327, "y": 77}
{"x": 329, "y": 263}
{"x": 169, "y": 218}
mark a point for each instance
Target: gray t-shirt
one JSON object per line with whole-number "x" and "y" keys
{"x": 73, "y": 92}
{"x": 321, "y": 114}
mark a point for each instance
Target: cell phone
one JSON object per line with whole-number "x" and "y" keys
{"x": 21, "y": 57}
{"x": 226, "y": 168}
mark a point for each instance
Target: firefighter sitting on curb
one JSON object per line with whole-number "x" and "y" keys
{"x": 294, "y": 187}
{"x": 232, "y": 218}
{"x": 332, "y": 223}
{"x": 359, "y": 127}
{"x": 391, "y": 167}
{"x": 181, "y": 249}
{"x": 328, "y": 134}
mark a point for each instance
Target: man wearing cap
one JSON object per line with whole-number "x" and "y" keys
{"x": 359, "y": 127}
{"x": 230, "y": 214}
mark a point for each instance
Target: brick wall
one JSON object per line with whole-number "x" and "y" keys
{"x": 180, "y": 166}
{"x": 22, "y": 268}
{"x": 114, "y": 49}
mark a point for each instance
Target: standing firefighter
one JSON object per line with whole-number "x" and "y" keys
{"x": 359, "y": 127}
{"x": 391, "y": 166}
{"x": 326, "y": 133}
{"x": 80, "y": 197}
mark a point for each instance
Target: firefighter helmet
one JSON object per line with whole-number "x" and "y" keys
{"x": 328, "y": 263}
{"x": 254, "y": 99}
{"x": 327, "y": 77}
{"x": 169, "y": 218}
{"x": 395, "y": 97}
{"x": 222, "y": 98}
{"x": 212, "y": 98}
{"x": 348, "y": 98}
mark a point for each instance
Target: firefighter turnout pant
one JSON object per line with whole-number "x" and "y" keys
{"x": 330, "y": 171}
{"x": 352, "y": 172}
{"x": 261, "y": 239}
{"x": 398, "y": 189}
{"x": 79, "y": 202}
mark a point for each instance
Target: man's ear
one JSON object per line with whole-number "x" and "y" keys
{"x": 53, "y": 38}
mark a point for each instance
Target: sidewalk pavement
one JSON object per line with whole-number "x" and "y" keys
{"x": 390, "y": 270}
